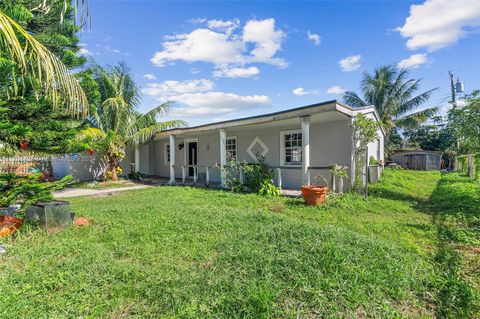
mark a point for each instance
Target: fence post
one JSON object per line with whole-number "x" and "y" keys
{"x": 470, "y": 165}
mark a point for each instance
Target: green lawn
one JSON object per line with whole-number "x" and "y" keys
{"x": 411, "y": 250}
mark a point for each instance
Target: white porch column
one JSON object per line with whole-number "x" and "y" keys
{"x": 137, "y": 159}
{"x": 172, "y": 159}
{"x": 305, "y": 149}
{"x": 223, "y": 156}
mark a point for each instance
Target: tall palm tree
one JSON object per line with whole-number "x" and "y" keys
{"x": 118, "y": 117}
{"x": 31, "y": 61}
{"x": 394, "y": 96}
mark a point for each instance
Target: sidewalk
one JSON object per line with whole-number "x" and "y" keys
{"x": 75, "y": 192}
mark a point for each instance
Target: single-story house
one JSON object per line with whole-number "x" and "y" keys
{"x": 418, "y": 159}
{"x": 298, "y": 143}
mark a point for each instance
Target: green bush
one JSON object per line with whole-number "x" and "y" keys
{"x": 255, "y": 178}
{"x": 28, "y": 189}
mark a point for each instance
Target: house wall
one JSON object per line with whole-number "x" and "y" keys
{"x": 330, "y": 143}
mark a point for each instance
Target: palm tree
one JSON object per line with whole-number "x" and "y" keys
{"x": 30, "y": 61}
{"x": 118, "y": 117}
{"x": 394, "y": 96}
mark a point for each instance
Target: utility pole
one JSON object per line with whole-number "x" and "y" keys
{"x": 456, "y": 87}
{"x": 452, "y": 86}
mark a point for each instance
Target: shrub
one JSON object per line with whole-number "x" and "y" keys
{"x": 255, "y": 178}
{"x": 28, "y": 189}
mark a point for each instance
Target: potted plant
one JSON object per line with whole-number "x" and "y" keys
{"x": 315, "y": 194}
{"x": 17, "y": 192}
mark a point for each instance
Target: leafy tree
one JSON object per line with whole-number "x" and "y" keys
{"x": 465, "y": 122}
{"x": 364, "y": 133}
{"x": 393, "y": 141}
{"x": 431, "y": 137}
{"x": 394, "y": 96}
{"x": 28, "y": 65}
{"x": 117, "y": 115}
{"x": 28, "y": 115}
{"x": 33, "y": 125}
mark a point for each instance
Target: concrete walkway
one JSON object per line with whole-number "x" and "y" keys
{"x": 75, "y": 192}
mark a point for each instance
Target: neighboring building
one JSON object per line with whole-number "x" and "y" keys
{"x": 298, "y": 143}
{"x": 418, "y": 159}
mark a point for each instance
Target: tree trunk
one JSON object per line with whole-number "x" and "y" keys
{"x": 112, "y": 167}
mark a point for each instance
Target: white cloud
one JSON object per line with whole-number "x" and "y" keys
{"x": 200, "y": 45}
{"x": 84, "y": 52}
{"x": 336, "y": 90}
{"x": 169, "y": 88}
{"x": 315, "y": 38}
{"x": 150, "y": 76}
{"x": 436, "y": 24}
{"x": 413, "y": 62}
{"x": 215, "y": 103}
{"x": 220, "y": 45}
{"x": 350, "y": 63}
{"x": 267, "y": 41}
{"x": 301, "y": 91}
{"x": 236, "y": 72}
{"x": 226, "y": 26}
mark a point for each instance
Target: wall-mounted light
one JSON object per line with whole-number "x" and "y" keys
{"x": 180, "y": 146}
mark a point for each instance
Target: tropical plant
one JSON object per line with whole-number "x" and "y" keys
{"x": 117, "y": 115}
{"x": 251, "y": 177}
{"x": 29, "y": 64}
{"x": 394, "y": 96}
{"x": 27, "y": 189}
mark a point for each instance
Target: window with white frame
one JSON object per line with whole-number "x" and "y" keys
{"x": 166, "y": 153}
{"x": 291, "y": 147}
{"x": 231, "y": 148}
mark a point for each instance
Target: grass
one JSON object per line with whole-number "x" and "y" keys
{"x": 179, "y": 252}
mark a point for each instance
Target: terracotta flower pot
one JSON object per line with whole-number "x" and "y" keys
{"x": 314, "y": 195}
{"x": 9, "y": 225}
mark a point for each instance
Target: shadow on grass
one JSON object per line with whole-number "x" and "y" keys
{"x": 454, "y": 205}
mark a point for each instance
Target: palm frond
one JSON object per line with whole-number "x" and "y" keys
{"x": 414, "y": 119}
{"x": 90, "y": 133}
{"x": 33, "y": 59}
{"x": 414, "y": 102}
{"x": 351, "y": 98}
{"x": 143, "y": 135}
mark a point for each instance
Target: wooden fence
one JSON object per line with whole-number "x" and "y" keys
{"x": 24, "y": 165}
{"x": 468, "y": 164}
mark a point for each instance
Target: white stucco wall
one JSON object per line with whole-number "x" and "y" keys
{"x": 330, "y": 144}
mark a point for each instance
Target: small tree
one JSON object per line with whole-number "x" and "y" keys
{"x": 466, "y": 124}
{"x": 118, "y": 119}
{"x": 364, "y": 132}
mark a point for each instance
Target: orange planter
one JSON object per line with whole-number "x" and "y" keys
{"x": 9, "y": 225}
{"x": 314, "y": 195}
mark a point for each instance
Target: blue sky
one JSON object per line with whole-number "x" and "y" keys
{"x": 223, "y": 60}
